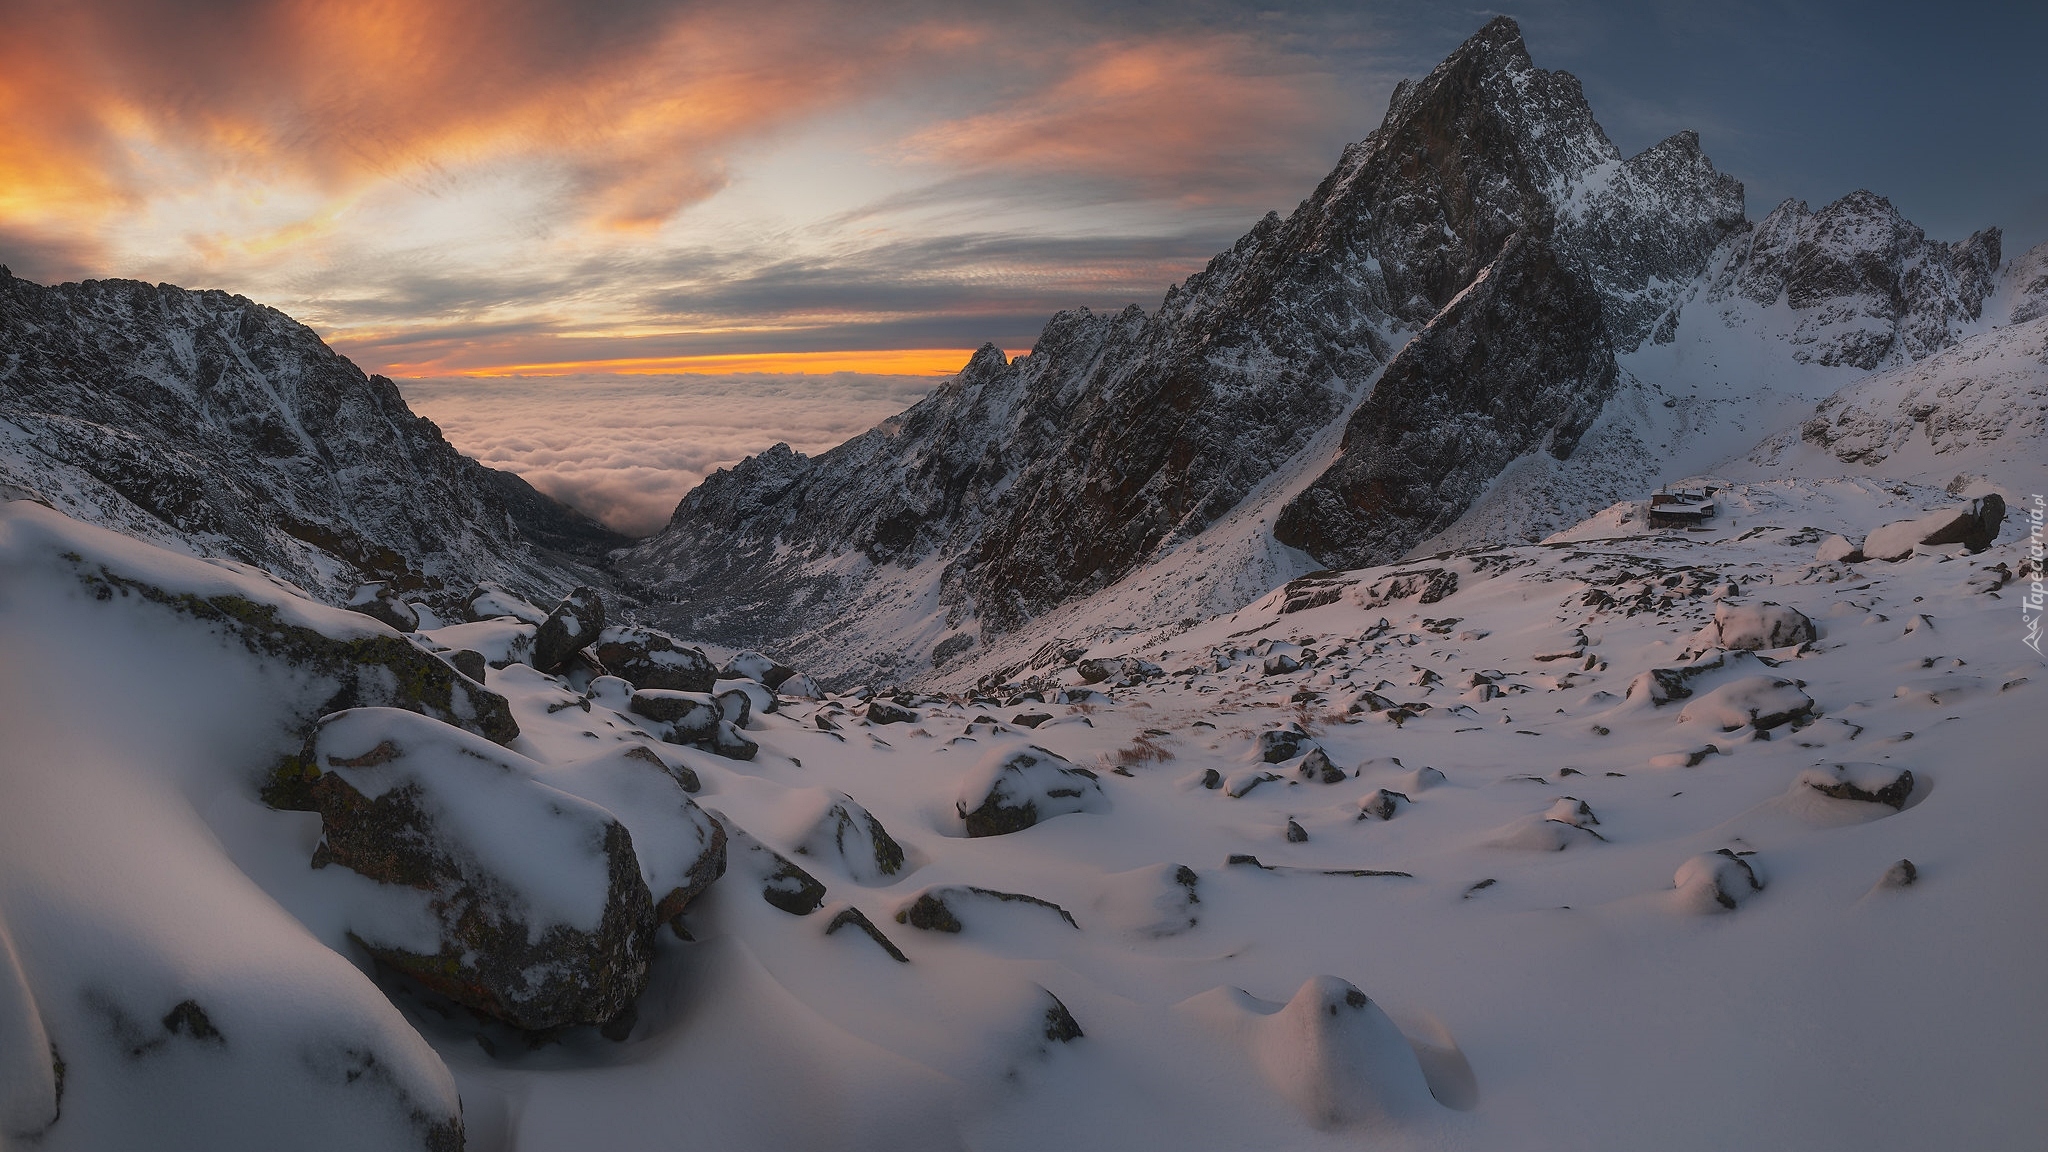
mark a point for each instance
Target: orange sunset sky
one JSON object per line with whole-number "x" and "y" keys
{"x": 460, "y": 187}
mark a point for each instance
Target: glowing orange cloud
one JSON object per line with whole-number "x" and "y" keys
{"x": 1172, "y": 112}
{"x": 101, "y": 103}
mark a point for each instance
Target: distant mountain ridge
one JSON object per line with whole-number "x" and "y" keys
{"x": 1453, "y": 297}
{"x": 206, "y": 421}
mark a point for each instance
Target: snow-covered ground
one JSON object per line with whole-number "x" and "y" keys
{"x": 1353, "y": 868}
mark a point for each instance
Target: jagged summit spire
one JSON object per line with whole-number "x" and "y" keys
{"x": 1500, "y": 39}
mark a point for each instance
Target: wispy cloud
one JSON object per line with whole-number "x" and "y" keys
{"x": 515, "y": 183}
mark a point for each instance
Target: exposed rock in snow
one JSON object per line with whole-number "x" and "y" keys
{"x": 1870, "y": 783}
{"x": 575, "y": 624}
{"x": 941, "y": 909}
{"x": 1715, "y": 881}
{"x": 1754, "y": 626}
{"x": 536, "y": 910}
{"x": 1014, "y": 788}
{"x": 650, "y": 659}
{"x": 681, "y": 849}
{"x": 1974, "y": 526}
{"x": 1763, "y": 702}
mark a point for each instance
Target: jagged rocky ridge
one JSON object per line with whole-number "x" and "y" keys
{"x": 1469, "y": 271}
{"x": 203, "y": 420}
{"x": 1038, "y": 480}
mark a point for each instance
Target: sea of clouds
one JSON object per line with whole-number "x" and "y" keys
{"x": 625, "y": 449}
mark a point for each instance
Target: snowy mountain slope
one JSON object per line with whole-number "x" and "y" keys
{"x": 1512, "y": 325}
{"x": 1505, "y": 899}
{"x": 1029, "y": 484}
{"x": 204, "y": 420}
{"x": 1970, "y": 417}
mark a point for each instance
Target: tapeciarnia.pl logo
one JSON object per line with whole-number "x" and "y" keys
{"x": 2036, "y": 598}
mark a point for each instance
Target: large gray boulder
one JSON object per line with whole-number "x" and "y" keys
{"x": 1974, "y": 525}
{"x": 506, "y": 895}
{"x": 681, "y": 849}
{"x": 650, "y": 659}
{"x": 576, "y": 623}
{"x": 1756, "y": 626}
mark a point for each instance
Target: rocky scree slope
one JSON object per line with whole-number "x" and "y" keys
{"x": 1031, "y": 482}
{"x": 205, "y": 421}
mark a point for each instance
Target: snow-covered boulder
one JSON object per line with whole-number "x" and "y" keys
{"x": 884, "y": 712}
{"x": 1838, "y": 550}
{"x": 377, "y": 601}
{"x": 650, "y": 659}
{"x": 1330, "y": 1051}
{"x": 1715, "y": 881}
{"x": 1564, "y": 824}
{"x": 681, "y": 849}
{"x": 1762, "y": 701}
{"x": 781, "y": 883}
{"x": 849, "y": 834}
{"x": 1886, "y": 784}
{"x": 691, "y": 716}
{"x": 1237, "y": 784}
{"x": 1152, "y": 902}
{"x": 1318, "y": 766}
{"x": 1974, "y": 525}
{"x": 506, "y": 895}
{"x": 490, "y": 601}
{"x": 576, "y": 623}
{"x": 802, "y": 687}
{"x": 1382, "y": 803}
{"x": 762, "y": 670}
{"x": 743, "y": 699}
{"x": 501, "y": 640}
{"x": 356, "y": 662}
{"x": 1283, "y": 744}
{"x": 1013, "y": 788}
{"x": 1755, "y": 626}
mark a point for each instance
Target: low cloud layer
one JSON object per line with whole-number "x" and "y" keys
{"x": 625, "y": 449}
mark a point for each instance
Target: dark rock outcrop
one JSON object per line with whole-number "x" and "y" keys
{"x": 650, "y": 659}
{"x": 412, "y": 803}
{"x": 1521, "y": 361}
{"x": 575, "y": 623}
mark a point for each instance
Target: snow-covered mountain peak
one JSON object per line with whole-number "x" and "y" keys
{"x": 1863, "y": 285}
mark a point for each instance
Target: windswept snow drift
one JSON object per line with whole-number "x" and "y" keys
{"x": 1713, "y": 910}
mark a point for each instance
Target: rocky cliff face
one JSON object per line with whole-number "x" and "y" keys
{"x": 1520, "y": 361}
{"x": 1865, "y": 285}
{"x": 1456, "y": 293}
{"x": 1031, "y": 482}
{"x": 203, "y": 420}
